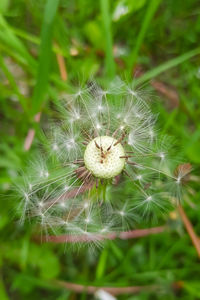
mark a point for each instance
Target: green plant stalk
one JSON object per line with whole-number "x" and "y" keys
{"x": 13, "y": 84}
{"x": 167, "y": 65}
{"x": 3, "y": 293}
{"x": 109, "y": 59}
{"x": 151, "y": 9}
{"x": 42, "y": 80}
{"x": 8, "y": 38}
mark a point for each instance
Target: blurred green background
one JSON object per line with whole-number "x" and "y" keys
{"x": 155, "y": 41}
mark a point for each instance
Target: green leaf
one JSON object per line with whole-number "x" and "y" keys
{"x": 102, "y": 264}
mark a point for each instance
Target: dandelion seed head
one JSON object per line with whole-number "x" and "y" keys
{"x": 100, "y": 148}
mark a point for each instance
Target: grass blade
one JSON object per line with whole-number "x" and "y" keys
{"x": 109, "y": 60}
{"x": 40, "y": 91}
{"x": 153, "y": 5}
{"x": 167, "y": 65}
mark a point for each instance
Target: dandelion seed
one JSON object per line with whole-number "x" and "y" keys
{"x": 98, "y": 126}
{"x": 86, "y": 205}
{"x": 55, "y": 147}
{"x": 162, "y": 155}
{"x": 151, "y": 133}
{"x": 149, "y": 198}
{"x": 26, "y": 196}
{"x": 87, "y": 220}
{"x": 66, "y": 188}
{"x": 104, "y": 230}
{"x": 131, "y": 92}
{"x": 62, "y": 204}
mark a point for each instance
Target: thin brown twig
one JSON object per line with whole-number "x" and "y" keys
{"x": 31, "y": 133}
{"x": 84, "y": 238}
{"x": 71, "y": 194}
{"x": 62, "y": 66}
{"x": 79, "y": 288}
{"x": 189, "y": 227}
{"x": 168, "y": 91}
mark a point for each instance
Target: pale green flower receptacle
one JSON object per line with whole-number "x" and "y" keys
{"x": 104, "y": 157}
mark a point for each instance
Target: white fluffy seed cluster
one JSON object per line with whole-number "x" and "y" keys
{"x": 101, "y": 162}
{"x": 103, "y": 133}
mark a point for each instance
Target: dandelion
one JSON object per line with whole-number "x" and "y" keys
{"x": 105, "y": 167}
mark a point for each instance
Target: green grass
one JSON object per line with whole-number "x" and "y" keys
{"x": 160, "y": 36}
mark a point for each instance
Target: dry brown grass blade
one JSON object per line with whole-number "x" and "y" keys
{"x": 84, "y": 238}
{"x": 62, "y": 66}
{"x": 31, "y": 134}
{"x": 167, "y": 91}
{"x": 190, "y": 229}
{"x": 79, "y": 288}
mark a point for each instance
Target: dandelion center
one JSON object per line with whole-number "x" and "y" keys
{"x": 103, "y": 157}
